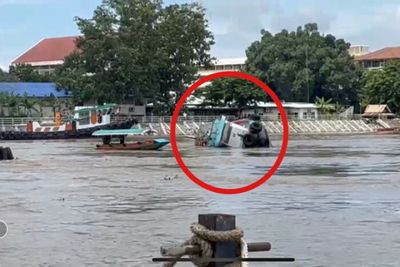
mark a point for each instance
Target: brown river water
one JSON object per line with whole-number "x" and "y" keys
{"x": 335, "y": 201}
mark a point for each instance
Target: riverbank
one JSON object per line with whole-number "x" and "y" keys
{"x": 190, "y": 126}
{"x": 296, "y": 127}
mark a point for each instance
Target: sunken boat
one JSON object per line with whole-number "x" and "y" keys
{"x": 243, "y": 133}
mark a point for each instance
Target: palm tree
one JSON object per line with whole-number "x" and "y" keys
{"x": 13, "y": 104}
{"x": 29, "y": 105}
{"x": 326, "y": 106}
{"x": 4, "y": 99}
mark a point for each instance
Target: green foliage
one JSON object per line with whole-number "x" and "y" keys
{"x": 137, "y": 49}
{"x": 233, "y": 92}
{"x": 11, "y": 101}
{"x": 383, "y": 86}
{"x": 6, "y": 77}
{"x": 325, "y": 106}
{"x": 303, "y": 64}
{"x": 16, "y": 102}
{"x": 26, "y": 73}
{"x": 29, "y": 104}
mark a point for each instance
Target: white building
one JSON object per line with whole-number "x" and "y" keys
{"x": 49, "y": 53}
{"x": 225, "y": 64}
{"x": 358, "y": 50}
{"x": 294, "y": 110}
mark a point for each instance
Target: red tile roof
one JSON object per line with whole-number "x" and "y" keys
{"x": 382, "y": 54}
{"x": 50, "y": 49}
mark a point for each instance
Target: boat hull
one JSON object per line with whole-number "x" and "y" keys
{"x": 146, "y": 145}
{"x": 243, "y": 133}
{"x": 57, "y": 135}
{"x": 395, "y": 130}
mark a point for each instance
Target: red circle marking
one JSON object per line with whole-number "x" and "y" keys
{"x": 274, "y": 168}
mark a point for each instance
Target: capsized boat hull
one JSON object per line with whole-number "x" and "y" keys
{"x": 153, "y": 144}
{"x": 243, "y": 133}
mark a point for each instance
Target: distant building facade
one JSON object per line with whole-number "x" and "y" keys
{"x": 225, "y": 64}
{"x": 49, "y": 53}
{"x": 358, "y": 50}
{"x": 375, "y": 60}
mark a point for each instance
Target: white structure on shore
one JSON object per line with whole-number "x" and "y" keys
{"x": 358, "y": 50}
{"x": 294, "y": 110}
{"x": 224, "y": 64}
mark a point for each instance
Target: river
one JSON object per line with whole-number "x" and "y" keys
{"x": 335, "y": 201}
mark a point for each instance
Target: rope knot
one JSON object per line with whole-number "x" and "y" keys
{"x": 203, "y": 237}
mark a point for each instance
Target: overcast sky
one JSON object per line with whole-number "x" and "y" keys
{"x": 235, "y": 23}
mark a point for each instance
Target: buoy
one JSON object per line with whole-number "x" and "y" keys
{"x": 6, "y": 153}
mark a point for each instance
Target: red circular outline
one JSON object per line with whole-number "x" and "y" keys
{"x": 274, "y": 168}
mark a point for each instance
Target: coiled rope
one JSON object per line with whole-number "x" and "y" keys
{"x": 202, "y": 238}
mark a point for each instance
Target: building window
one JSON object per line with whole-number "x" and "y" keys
{"x": 131, "y": 110}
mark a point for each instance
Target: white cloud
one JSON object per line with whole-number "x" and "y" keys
{"x": 236, "y": 24}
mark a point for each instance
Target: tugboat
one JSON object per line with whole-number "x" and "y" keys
{"x": 84, "y": 122}
{"x": 244, "y": 133}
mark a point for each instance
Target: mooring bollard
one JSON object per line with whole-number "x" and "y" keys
{"x": 221, "y": 222}
{"x": 216, "y": 242}
{"x": 6, "y": 153}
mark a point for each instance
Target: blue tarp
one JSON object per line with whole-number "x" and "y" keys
{"x": 32, "y": 89}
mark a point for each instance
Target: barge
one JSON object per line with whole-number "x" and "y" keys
{"x": 84, "y": 122}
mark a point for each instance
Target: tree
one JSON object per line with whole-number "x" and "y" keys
{"x": 4, "y": 99}
{"x": 29, "y": 105}
{"x": 6, "y": 77}
{"x": 26, "y": 73}
{"x": 303, "y": 64}
{"x": 233, "y": 92}
{"x": 13, "y": 103}
{"x": 137, "y": 49}
{"x": 383, "y": 86}
{"x": 325, "y": 106}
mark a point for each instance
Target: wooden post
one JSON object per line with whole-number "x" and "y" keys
{"x": 220, "y": 222}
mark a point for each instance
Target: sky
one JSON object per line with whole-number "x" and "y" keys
{"x": 235, "y": 23}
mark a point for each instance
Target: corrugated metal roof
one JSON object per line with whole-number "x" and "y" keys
{"x": 377, "y": 109}
{"x": 287, "y": 105}
{"x": 32, "y": 89}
